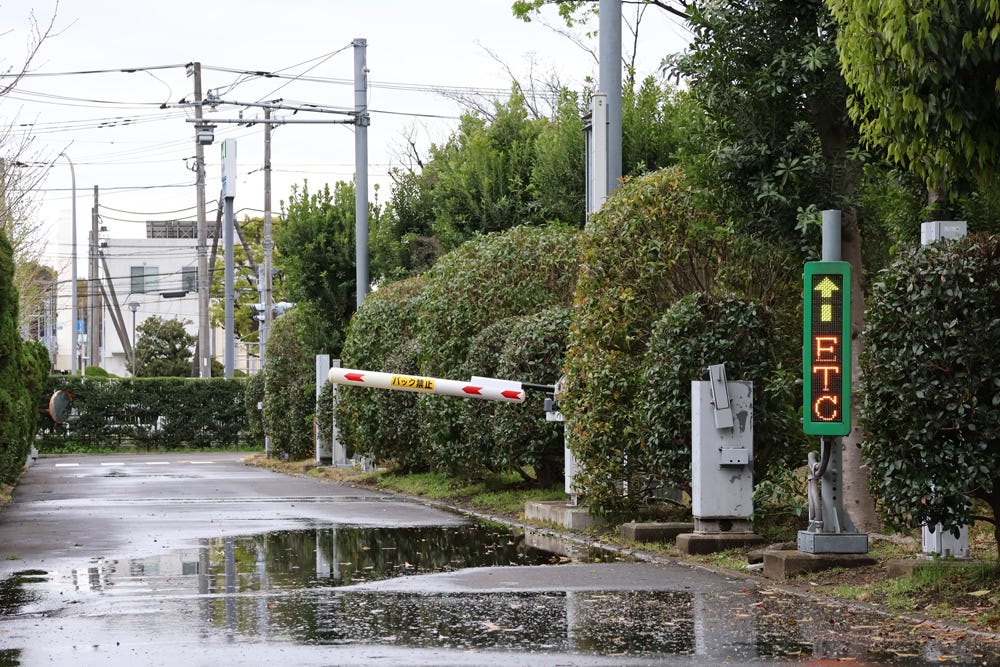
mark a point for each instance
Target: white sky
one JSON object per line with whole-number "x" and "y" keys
{"x": 119, "y": 139}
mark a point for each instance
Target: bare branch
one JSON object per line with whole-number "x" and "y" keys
{"x": 38, "y": 37}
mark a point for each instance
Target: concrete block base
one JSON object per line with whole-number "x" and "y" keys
{"x": 559, "y": 513}
{"x": 784, "y": 564}
{"x": 655, "y": 531}
{"x": 710, "y": 543}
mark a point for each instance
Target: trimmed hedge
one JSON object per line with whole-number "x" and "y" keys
{"x": 149, "y": 413}
{"x": 509, "y": 274}
{"x": 23, "y": 367}
{"x": 649, "y": 246}
{"x": 469, "y": 315}
{"x": 930, "y": 390}
{"x": 382, "y": 337}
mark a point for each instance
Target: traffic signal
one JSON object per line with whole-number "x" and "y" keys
{"x": 826, "y": 349}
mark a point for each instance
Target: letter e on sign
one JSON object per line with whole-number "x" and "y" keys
{"x": 826, "y": 349}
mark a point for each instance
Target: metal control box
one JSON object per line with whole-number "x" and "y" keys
{"x": 722, "y": 458}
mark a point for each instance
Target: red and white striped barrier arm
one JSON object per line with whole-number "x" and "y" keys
{"x": 489, "y": 389}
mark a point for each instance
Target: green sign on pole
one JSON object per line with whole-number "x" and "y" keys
{"x": 826, "y": 349}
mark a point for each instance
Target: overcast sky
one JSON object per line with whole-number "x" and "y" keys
{"x": 112, "y": 127}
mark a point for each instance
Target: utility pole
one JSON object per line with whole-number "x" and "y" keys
{"x": 93, "y": 295}
{"x": 228, "y": 196}
{"x": 204, "y": 358}
{"x": 265, "y": 328}
{"x": 610, "y": 53}
{"x": 361, "y": 122}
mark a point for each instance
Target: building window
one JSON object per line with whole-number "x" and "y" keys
{"x": 145, "y": 279}
{"x": 189, "y": 278}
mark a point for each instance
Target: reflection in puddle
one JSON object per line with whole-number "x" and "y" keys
{"x": 290, "y": 586}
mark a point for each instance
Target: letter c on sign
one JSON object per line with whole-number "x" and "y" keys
{"x": 825, "y": 408}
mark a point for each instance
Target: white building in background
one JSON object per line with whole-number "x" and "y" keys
{"x": 156, "y": 275}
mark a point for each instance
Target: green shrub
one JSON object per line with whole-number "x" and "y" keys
{"x": 148, "y": 413}
{"x": 289, "y": 391}
{"x": 930, "y": 393}
{"x": 648, "y": 246}
{"x": 534, "y": 352}
{"x": 509, "y": 274}
{"x": 253, "y": 404}
{"x": 382, "y": 337}
{"x": 18, "y": 382}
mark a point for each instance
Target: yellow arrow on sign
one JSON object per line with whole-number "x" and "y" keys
{"x": 826, "y": 288}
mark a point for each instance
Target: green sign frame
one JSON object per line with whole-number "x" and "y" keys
{"x": 826, "y": 349}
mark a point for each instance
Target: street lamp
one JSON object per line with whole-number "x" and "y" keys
{"x": 133, "y": 306}
{"x": 74, "y": 365}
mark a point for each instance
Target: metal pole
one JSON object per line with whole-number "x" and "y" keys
{"x": 133, "y": 306}
{"x": 610, "y": 37}
{"x": 229, "y": 356}
{"x": 265, "y": 329}
{"x": 361, "y": 122}
{"x": 93, "y": 296}
{"x": 73, "y": 365}
{"x": 831, "y": 235}
{"x": 204, "y": 358}
{"x": 835, "y": 520}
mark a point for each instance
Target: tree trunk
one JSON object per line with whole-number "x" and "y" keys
{"x": 857, "y": 500}
{"x": 836, "y": 134}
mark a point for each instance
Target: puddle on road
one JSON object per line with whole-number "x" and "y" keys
{"x": 288, "y": 585}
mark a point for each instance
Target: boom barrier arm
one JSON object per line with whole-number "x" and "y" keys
{"x": 489, "y": 389}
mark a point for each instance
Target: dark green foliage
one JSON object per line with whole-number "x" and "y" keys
{"x": 930, "y": 389}
{"x": 700, "y": 330}
{"x": 373, "y": 422}
{"x": 253, "y": 405}
{"x": 534, "y": 352}
{"x": 516, "y": 273}
{"x": 289, "y": 391}
{"x": 19, "y": 378}
{"x": 648, "y": 246}
{"x": 315, "y": 248}
{"x": 149, "y": 413}
{"x": 774, "y": 137}
{"x": 163, "y": 348}
{"x": 505, "y": 436}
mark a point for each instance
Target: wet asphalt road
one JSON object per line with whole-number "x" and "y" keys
{"x": 197, "y": 559}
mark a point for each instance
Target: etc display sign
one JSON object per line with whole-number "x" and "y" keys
{"x": 826, "y": 349}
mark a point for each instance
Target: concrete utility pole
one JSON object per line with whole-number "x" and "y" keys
{"x": 228, "y": 197}
{"x": 265, "y": 327}
{"x": 93, "y": 295}
{"x": 361, "y": 122}
{"x": 74, "y": 367}
{"x": 204, "y": 357}
{"x": 610, "y": 38}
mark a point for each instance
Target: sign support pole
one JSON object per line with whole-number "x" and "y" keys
{"x": 826, "y": 360}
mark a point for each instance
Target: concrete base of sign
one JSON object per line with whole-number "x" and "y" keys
{"x": 784, "y": 564}
{"x": 710, "y": 543}
{"x": 832, "y": 543}
{"x": 559, "y": 513}
{"x": 654, "y": 531}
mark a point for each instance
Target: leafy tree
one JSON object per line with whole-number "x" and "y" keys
{"x": 931, "y": 395}
{"x": 163, "y": 348}
{"x": 315, "y": 248}
{"x": 924, "y": 77}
